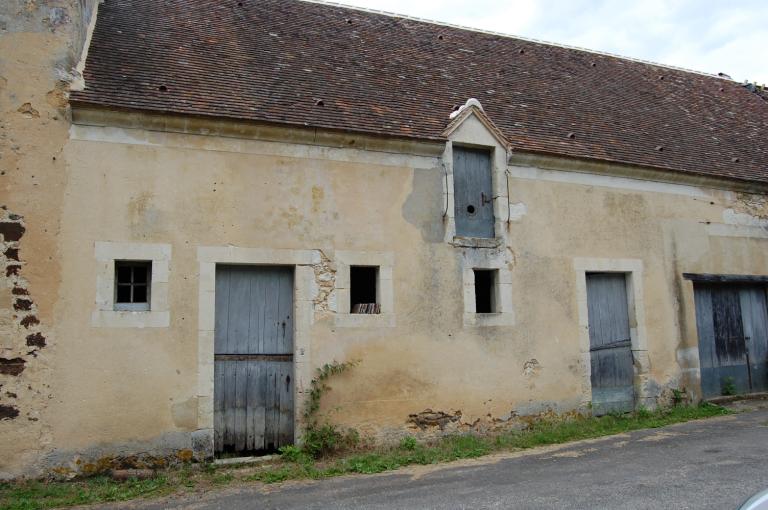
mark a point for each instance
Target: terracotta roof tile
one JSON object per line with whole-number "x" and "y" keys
{"x": 288, "y": 61}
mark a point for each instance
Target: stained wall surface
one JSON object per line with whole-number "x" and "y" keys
{"x": 40, "y": 47}
{"x": 425, "y": 371}
{"x": 81, "y": 384}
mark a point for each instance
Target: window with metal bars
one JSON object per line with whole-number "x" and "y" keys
{"x": 132, "y": 284}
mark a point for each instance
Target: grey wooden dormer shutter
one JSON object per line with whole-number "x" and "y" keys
{"x": 472, "y": 192}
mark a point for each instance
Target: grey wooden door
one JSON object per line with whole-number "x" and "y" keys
{"x": 732, "y": 322}
{"x": 472, "y": 192}
{"x": 610, "y": 346}
{"x": 754, "y": 314}
{"x": 253, "y": 371}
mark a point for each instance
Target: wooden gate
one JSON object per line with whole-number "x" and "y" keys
{"x": 732, "y": 321}
{"x": 610, "y": 345}
{"x": 472, "y": 192}
{"x": 253, "y": 372}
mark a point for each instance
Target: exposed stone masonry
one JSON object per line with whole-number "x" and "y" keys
{"x": 21, "y": 334}
{"x": 325, "y": 278}
{"x": 753, "y": 204}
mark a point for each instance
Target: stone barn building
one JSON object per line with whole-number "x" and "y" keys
{"x": 205, "y": 201}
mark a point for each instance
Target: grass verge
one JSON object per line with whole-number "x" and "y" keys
{"x": 34, "y": 495}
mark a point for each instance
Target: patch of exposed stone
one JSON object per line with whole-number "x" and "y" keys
{"x": 8, "y": 412}
{"x": 430, "y": 424}
{"x": 752, "y": 204}
{"x": 430, "y": 419}
{"x": 21, "y": 334}
{"x": 122, "y": 463}
{"x": 325, "y": 280}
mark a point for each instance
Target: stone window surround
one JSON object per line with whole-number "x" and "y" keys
{"x": 304, "y": 288}
{"x": 633, "y": 270}
{"x": 105, "y": 315}
{"x": 481, "y": 138}
{"x": 502, "y": 293}
{"x": 384, "y": 288}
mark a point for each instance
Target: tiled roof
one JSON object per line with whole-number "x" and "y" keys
{"x": 310, "y": 64}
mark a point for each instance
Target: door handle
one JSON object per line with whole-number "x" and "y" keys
{"x": 484, "y": 199}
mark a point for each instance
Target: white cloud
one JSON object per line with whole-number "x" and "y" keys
{"x": 705, "y": 35}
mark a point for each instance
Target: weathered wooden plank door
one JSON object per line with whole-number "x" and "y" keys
{"x": 610, "y": 345}
{"x": 732, "y": 322}
{"x": 253, "y": 371}
{"x": 754, "y": 313}
{"x": 472, "y": 192}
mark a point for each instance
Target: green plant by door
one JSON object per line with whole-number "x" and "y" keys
{"x": 728, "y": 386}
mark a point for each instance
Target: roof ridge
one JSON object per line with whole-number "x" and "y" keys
{"x": 512, "y": 36}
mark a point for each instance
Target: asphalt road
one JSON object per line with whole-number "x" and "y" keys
{"x": 714, "y": 464}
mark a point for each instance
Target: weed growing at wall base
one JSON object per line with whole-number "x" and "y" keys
{"x": 324, "y": 438}
{"x": 728, "y": 386}
{"x": 297, "y": 464}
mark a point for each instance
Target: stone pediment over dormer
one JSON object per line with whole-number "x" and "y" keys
{"x": 477, "y": 208}
{"x": 472, "y": 117}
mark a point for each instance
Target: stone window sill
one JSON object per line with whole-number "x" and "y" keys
{"x": 128, "y": 319}
{"x": 363, "y": 320}
{"x": 477, "y": 242}
{"x": 489, "y": 319}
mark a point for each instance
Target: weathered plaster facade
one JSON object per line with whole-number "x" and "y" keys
{"x": 199, "y": 195}
{"x": 82, "y": 383}
{"x": 40, "y": 46}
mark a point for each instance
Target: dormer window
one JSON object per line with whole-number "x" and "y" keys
{"x": 473, "y": 192}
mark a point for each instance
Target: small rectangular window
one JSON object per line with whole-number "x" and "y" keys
{"x": 132, "y": 284}
{"x": 485, "y": 290}
{"x": 363, "y": 289}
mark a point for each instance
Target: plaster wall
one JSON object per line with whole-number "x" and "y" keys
{"x": 40, "y": 46}
{"x": 427, "y": 370}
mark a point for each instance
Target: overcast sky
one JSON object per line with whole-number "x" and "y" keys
{"x": 705, "y": 35}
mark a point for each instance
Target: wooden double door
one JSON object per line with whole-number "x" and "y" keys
{"x": 732, "y": 321}
{"x": 253, "y": 372}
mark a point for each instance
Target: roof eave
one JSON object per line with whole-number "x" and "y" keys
{"x": 96, "y": 114}
{"x": 554, "y": 161}
{"x": 91, "y": 113}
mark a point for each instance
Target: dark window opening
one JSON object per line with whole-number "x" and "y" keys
{"x": 485, "y": 296}
{"x": 132, "y": 284}
{"x": 362, "y": 291}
